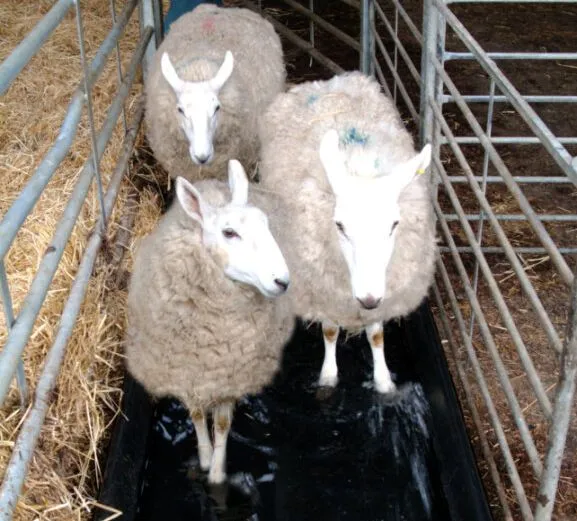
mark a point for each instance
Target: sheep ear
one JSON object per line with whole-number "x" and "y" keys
{"x": 170, "y": 74}
{"x": 332, "y": 159}
{"x": 191, "y": 200}
{"x": 237, "y": 182}
{"x": 223, "y": 73}
{"x": 417, "y": 165}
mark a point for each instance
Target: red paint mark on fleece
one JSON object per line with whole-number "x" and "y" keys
{"x": 208, "y": 25}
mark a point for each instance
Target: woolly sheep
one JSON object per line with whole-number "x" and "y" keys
{"x": 357, "y": 226}
{"x": 204, "y": 325}
{"x": 202, "y": 104}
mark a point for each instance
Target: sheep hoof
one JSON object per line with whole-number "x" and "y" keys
{"x": 385, "y": 387}
{"x": 216, "y": 477}
{"x": 324, "y": 392}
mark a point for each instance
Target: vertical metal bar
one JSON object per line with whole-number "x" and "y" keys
{"x": 428, "y": 74}
{"x": 158, "y": 22}
{"x": 9, "y": 315}
{"x": 146, "y": 19}
{"x": 561, "y": 417}
{"x": 88, "y": 98}
{"x": 311, "y": 30}
{"x": 366, "y": 37}
{"x": 396, "y": 52}
{"x": 484, "y": 190}
{"x": 118, "y": 61}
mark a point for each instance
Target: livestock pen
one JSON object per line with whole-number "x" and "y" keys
{"x": 473, "y": 78}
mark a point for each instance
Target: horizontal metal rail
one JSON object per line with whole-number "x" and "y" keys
{"x": 527, "y": 250}
{"x": 30, "y": 431}
{"x": 514, "y": 140}
{"x": 471, "y": 98}
{"x": 511, "y": 1}
{"x": 17, "y": 213}
{"x": 541, "y": 232}
{"x": 32, "y": 304}
{"x": 531, "y": 118}
{"x": 556, "y": 218}
{"x": 527, "y": 56}
{"x": 25, "y": 51}
{"x": 518, "y": 178}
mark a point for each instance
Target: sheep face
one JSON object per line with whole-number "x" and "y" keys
{"x": 367, "y": 217}
{"x": 240, "y": 231}
{"x": 197, "y": 107}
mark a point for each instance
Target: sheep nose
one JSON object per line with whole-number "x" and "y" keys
{"x": 283, "y": 284}
{"x": 202, "y": 159}
{"x": 369, "y": 302}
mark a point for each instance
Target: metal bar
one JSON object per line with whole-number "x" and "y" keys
{"x": 510, "y": 1}
{"x": 396, "y": 50}
{"x": 526, "y": 285}
{"x": 337, "y": 33}
{"x": 514, "y": 56}
{"x": 88, "y": 100}
{"x": 408, "y": 62}
{"x": 382, "y": 80}
{"x": 542, "y": 234}
{"x": 9, "y": 317}
{"x": 535, "y": 123}
{"x": 158, "y": 22}
{"x": 518, "y": 179}
{"x": 398, "y": 81}
{"x": 428, "y": 74}
{"x": 17, "y": 213}
{"x": 312, "y": 29}
{"x": 366, "y": 50}
{"x": 352, "y": 3}
{"x": 20, "y": 333}
{"x": 28, "y": 47}
{"x": 509, "y": 461}
{"x": 471, "y": 98}
{"x": 514, "y": 140}
{"x": 118, "y": 62}
{"x": 297, "y": 41}
{"x": 28, "y": 437}
{"x": 517, "y": 217}
{"x": 561, "y": 417}
{"x": 410, "y": 24}
{"x": 146, "y": 20}
{"x": 517, "y": 249}
{"x": 462, "y": 374}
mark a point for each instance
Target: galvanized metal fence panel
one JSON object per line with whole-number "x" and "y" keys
{"x": 468, "y": 283}
{"x": 22, "y": 326}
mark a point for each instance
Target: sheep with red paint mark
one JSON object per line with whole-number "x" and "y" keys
{"x": 356, "y": 221}
{"x": 211, "y": 78}
{"x": 207, "y": 321}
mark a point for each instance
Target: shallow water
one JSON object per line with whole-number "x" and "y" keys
{"x": 354, "y": 455}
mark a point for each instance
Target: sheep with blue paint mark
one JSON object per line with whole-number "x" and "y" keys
{"x": 356, "y": 221}
{"x": 212, "y": 77}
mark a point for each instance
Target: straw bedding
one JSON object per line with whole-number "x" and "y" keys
{"x": 67, "y": 466}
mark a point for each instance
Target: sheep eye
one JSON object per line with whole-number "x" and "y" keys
{"x": 217, "y": 109}
{"x": 341, "y": 227}
{"x": 395, "y": 224}
{"x": 180, "y": 110}
{"x": 229, "y": 233}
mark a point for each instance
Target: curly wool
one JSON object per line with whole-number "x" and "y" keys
{"x": 196, "y": 44}
{"x": 374, "y": 141}
{"x": 193, "y": 333}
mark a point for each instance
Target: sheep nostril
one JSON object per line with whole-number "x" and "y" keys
{"x": 202, "y": 159}
{"x": 369, "y": 302}
{"x": 283, "y": 284}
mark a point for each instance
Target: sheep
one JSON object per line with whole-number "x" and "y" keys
{"x": 204, "y": 321}
{"x": 202, "y": 104}
{"x": 357, "y": 226}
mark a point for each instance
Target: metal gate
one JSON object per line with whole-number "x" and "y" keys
{"x": 497, "y": 317}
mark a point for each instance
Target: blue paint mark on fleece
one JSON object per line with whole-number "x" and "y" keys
{"x": 352, "y": 136}
{"x": 312, "y": 98}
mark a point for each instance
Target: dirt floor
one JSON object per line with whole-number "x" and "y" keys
{"x": 520, "y": 28}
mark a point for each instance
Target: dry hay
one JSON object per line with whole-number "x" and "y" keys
{"x": 67, "y": 465}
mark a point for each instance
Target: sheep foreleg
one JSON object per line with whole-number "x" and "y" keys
{"x": 203, "y": 437}
{"x": 222, "y": 417}
{"x": 381, "y": 374}
{"x": 329, "y": 372}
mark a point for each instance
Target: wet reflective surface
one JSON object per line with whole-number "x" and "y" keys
{"x": 353, "y": 455}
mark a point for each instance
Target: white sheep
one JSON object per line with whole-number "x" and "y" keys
{"x": 357, "y": 226}
{"x": 204, "y": 325}
{"x": 202, "y": 104}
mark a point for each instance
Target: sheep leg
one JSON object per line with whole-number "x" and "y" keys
{"x": 381, "y": 374}
{"x": 329, "y": 372}
{"x": 222, "y": 416}
{"x": 202, "y": 437}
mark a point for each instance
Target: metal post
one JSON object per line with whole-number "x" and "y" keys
{"x": 367, "y": 43}
{"x": 146, "y": 17}
{"x": 561, "y": 417}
